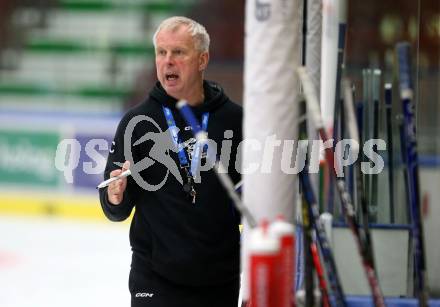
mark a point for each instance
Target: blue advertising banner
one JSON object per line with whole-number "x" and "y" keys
{"x": 92, "y": 159}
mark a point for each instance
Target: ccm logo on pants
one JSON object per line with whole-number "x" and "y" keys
{"x": 143, "y": 294}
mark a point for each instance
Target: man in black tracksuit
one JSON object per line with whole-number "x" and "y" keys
{"x": 185, "y": 246}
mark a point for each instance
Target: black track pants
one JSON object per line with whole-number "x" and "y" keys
{"x": 150, "y": 290}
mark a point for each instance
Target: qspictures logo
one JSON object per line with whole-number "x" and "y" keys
{"x": 293, "y": 154}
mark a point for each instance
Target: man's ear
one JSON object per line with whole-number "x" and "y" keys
{"x": 203, "y": 61}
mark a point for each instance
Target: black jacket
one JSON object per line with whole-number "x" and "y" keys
{"x": 191, "y": 244}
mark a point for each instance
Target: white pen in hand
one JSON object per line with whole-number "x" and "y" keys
{"x": 110, "y": 180}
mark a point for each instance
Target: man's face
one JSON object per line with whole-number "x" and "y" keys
{"x": 179, "y": 64}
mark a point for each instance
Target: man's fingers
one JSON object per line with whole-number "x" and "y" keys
{"x": 115, "y": 173}
{"x": 117, "y": 188}
{"x": 126, "y": 165}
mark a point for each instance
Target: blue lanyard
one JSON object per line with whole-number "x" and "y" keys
{"x": 176, "y": 140}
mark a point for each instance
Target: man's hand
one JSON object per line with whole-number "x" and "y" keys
{"x": 115, "y": 191}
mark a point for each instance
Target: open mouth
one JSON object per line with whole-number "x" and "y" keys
{"x": 171, "y": 77}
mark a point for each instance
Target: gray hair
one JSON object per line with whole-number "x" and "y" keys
{"x": 197, "y": 31}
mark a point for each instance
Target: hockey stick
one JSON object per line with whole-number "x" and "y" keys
{"x": 321, "y": 235}
{"x": 374, "y": 202}
{"x": 338, "y": 123}
{"x": 308, "y": 256}
{"x": 353, "y": 132}
{"x": 406, "y": 95}
{"x": 389, "y": 127}
{"x": 309, "y": 280}
{"x": 346, "y": 203}
{"x": 320, "y": 273}
{"x": 359, "y": 177}
{"x": 401, "y": 127}
{"x": 350, "y": 120}
{"x": 350, "y": 116}
{"x": 367, "y": 128}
